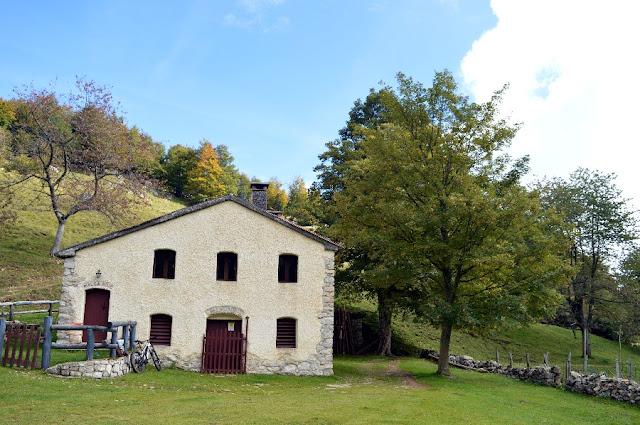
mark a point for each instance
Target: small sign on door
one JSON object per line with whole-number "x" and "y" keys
{"x": 231, "y": 326}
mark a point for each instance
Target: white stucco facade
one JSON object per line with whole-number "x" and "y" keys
{"x": 194, "y": 295}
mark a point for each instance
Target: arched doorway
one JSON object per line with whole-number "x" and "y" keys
{"x": 96, "y": 311}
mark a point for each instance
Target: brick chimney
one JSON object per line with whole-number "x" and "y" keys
{"x": 259, "y": 195}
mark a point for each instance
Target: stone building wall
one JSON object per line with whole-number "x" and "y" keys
{"x": 194, "y": 295}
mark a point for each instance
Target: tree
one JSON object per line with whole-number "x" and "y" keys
{"x": 206, "y": 179}
{"x": 80, "y": 151}
{"x": 365, "y": 273}
{"x": 300, "y": 208}
{"x": 277, "y": 198}
{"x": 175, "y": 166}
{"x": 601, "y": 223}
{"x": 432, "y": 197}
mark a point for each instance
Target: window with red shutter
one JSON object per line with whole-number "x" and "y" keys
{"x": 160, "y": 333}
{"x": 227, "y": 266}
{"x": 164, "y": 264}
{"x": 288, "y": 268}
{"x": 286, "y": 333}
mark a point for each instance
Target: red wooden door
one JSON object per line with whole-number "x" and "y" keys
{"x": 223, "y": 347}
{"x": 96, "y": 311}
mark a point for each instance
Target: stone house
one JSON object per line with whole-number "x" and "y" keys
{"x": 224, "y": 265}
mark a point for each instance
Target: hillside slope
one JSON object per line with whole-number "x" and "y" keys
{"x": 410, "y": 337}
{"x": 27, "y": 272}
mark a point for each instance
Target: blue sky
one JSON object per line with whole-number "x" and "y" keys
{"x": 275, "y": 79}
{"x": 272, "y": 79}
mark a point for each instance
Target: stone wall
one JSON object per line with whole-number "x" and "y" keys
{"x": 541, "y": 375}
{"x": 600, "y": 386}
{"x": 98, "y": 369}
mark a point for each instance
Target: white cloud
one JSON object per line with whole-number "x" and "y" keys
{"x": 252, "y": 14}
{"x": 255, "y": 6}
{"x": 573, "y": 70}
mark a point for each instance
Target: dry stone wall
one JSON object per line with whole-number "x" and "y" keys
{"x": 98, "y": 369}
{"x": 541, "y": 375}
{"x": 600, "y": 386}
{"x": 597, "y": 385}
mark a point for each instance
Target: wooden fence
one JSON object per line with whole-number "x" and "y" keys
{"x": 128, "y": 335}
{"x": 19, "y": 344}
{"x": 13, "y": 312}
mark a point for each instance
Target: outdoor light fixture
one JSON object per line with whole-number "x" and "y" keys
{"x": 98, "y": 274}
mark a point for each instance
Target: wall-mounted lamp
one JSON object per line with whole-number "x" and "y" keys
{"x": 98, "y": 274}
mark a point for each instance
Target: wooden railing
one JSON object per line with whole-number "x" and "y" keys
{"x": 128, "y": 335}
{"x": 12, "y": 308}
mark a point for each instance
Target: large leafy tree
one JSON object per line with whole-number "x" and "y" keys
{"x": 601, "y": 223}
{"x": 437, "y": 206}
{"x": 364, "y": 273}
{"x": 174, "y": 168}
{"x": 301, "y": 205}
{"x": 206, "y": 180}
{"x": 79, "y": 150}
{"x": 277, "y": 198}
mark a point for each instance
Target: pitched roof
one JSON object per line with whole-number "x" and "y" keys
{"x": 328, "y": 243}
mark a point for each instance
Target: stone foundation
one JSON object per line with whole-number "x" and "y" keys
{"x": 98, "y": 369}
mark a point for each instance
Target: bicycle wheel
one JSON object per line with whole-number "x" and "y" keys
{"x": 156, "y": 360}
{"x": 137, "y": 362}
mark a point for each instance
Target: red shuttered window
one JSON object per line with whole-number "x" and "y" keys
{"x": 160, "y": 329}
{"x": 286, "y": 333}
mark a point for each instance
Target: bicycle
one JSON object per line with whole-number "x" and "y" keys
{"x": 140, "y": 357}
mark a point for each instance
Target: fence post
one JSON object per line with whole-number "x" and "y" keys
{"x": 132, "y": 337}
{"x": 629, "y": 367}
{"x": 528, "y": 363}
{"x": 125, "y": 336}
{"x": 3, "y": 325}
{"x": 114, "y": 340}
{"x": 11, "y": 311}
{"x": 51, "y": 309}
{"x": 510, "y": 360}
{"x": 46, "y": 343}
{"x": 91, "y": 340}
{"x": 618, "y": 368}
{"x": 497, "y": 356}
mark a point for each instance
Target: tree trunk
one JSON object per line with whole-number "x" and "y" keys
{"x": 586, "y": 339}
{"x": 58, "y": 239}
{"x": 445, "y": 342}
{"x": 384, "y": 325}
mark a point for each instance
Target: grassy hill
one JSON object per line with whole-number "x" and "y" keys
{"x": 27, "y": 272}
{"x": 410, "y": 337}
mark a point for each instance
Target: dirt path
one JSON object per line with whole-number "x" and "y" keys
{"x": 407, "y": 379}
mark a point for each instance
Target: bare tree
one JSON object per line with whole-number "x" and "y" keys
{"x": 78, "y": 149}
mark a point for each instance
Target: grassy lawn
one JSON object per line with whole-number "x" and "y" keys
{"x": 361, "y": 392}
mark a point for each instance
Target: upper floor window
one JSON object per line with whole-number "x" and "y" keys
{"x": 286, "y": 333}
{"x": 160, "y": 333}
{"x": 164, "y": 264}
{"x": 227, "y": 266}
{"x": 288, "y": 268}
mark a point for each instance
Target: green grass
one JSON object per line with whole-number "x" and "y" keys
{"x": 409, "y": 337}
{"x": 359, "y": 393}
{"x": 27, "y": 272}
